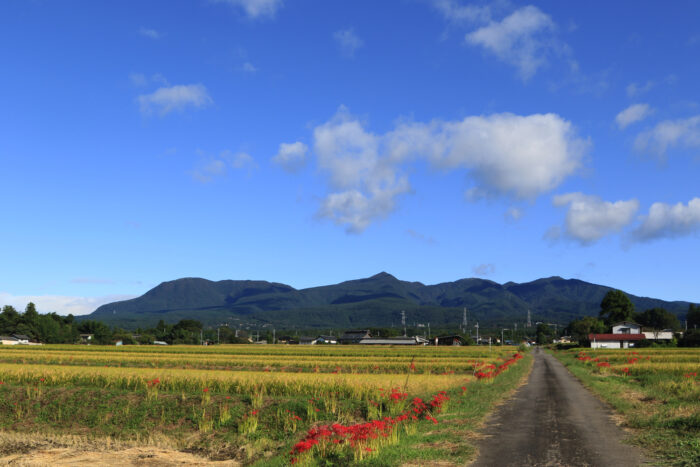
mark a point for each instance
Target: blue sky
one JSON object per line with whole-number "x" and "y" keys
{"x": 312, "y": 142}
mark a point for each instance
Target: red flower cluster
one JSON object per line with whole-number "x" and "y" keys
{"x": 495, "y": 371}
{"x": 606, "y": 364}
{"x": 153, "y": 383}
{"x": 691, "y": 375}
{"x": 397, "y": 396}
{"x": 358, "y": 434}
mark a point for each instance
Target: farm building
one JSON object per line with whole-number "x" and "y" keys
{"x": 354, "y": 336}
{"x": 8, "y": 340}
{"x": 415, "y": 340}
{"x": 449, "y": 340}
{"x": 327, "y": 340}
{"x": 307, "y": 340}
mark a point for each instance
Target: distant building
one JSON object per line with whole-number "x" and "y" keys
{"x": 327, "y": 340}
{"x": 87, "y": 338}
{"x": 306, "y": 340}
{"x": 160, "y": 343}
{"x": 21, "y": 338}
{"x": 354, "y": 336}
{"x": 416, "y": 340}
{"x": 8, "y": 340}
{"x": 449, "y": 340}
{"x": 658, "y": 335}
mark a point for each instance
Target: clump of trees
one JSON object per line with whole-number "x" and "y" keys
{"x": 49, "y": 328}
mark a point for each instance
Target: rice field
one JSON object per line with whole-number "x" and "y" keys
{"x": 656, "y": 390}
{"x": 307, "y": 405}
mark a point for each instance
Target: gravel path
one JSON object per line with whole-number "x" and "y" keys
{"x": 554, "y": 421}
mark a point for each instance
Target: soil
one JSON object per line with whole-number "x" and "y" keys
{"x": 138, "y": 456}
{"x": 554, "y": 420}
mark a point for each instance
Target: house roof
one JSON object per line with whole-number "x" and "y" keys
{"x": 616, "y": 337}
{"x": 7, "y": 338}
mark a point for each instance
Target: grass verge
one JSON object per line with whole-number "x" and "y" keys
{"x": 662, "y": 412}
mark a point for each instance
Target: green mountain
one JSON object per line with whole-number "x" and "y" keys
{"x": 374, "y": 301}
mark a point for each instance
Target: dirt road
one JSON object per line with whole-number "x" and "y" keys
{"x": 554, "y": 421}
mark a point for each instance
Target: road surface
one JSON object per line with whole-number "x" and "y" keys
{"x": 554, "y": 421}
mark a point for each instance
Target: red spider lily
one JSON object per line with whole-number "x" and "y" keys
{"x": 691, "y": 375}
{"x": 205, "y": 390}
{"x": 604, "y": 364}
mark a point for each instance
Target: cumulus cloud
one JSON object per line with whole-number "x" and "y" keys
{"x": 589, "y": 218}
{"x": 63, "y": 305}
{"x": 150, "y": 33}
{"x": 484, "y": 269}
{"x": 455, "y": 12}
{"x": 668, "y": 134}
{"x": 633, "y": 113}
{"x": 348, "y": 41}
{"x": 636, "y": 89}
{"x": 249, "y": 67}
{"x": 215, "y": 167}
{"x": 503, "y": 154}
{"x": 174, "y": 98}
{"x": 256, "y": 8}
{"x": 523, "y": 39}
{"x": 669, "y": 221}
{"x": 291, "y": 156}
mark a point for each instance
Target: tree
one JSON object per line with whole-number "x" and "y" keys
{"x": 658, "y": 318}
{"x": 581, "y": 328}
{"x": 616, "y": 307}
{"x": 693, "y": 317}
{"x": 544, "y": 334}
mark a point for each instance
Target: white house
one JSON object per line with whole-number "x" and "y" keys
{"x": 624, "y": 335}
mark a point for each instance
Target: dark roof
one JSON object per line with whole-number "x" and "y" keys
{"x": 626, "y": 323}
{"x": 616, "y": 337}
{"x": 21, "y": 337}
{"x": 8, "y": 338}
{"x": 328, "y": 338}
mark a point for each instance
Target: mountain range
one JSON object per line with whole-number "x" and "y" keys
{"x": 376, "y": 301}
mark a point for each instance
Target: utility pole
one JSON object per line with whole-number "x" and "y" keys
{"x": 477, "y": 333}
{"x": 218, "y": 335}
{"x": 465, "y": 323}
{"x": 403, "y": 322}
{"x": 428, "y": 330}
{"x": 502, "y": 336}
{"x": 200, "y": 337}
{"x": 529, "y": 323}
{"x": 273, "y": 335}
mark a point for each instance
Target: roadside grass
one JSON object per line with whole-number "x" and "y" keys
{"x": 659, "y": 405}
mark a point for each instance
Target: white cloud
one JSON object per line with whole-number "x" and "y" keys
{"x": 590, "y": 218}
{"x": 348, "y": 41}
{"x": 419, "y": 236}
{"x": 633, "y": 113}
{"x": 174, "y": 98}
{"x": 523, "y": 39}
{"x": 256, "y": 8}
{"x": 291, "y": 156}
{"x": 668, "y": 134}
{"x": 212, "y": 168}
{"x": 504, "y": 155}
{"x": 249, "y": 67}
{"x": 453, "y": 11}
{"x": 151, "y": 33}
{"x": 636, "y": 89}
{"x": 668, "y": 221}
{"x": 138, "y": 79}
{"x": 63, "y": 305}
{"x": 513, "y": 214}
{"x": 484, "y": 269}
